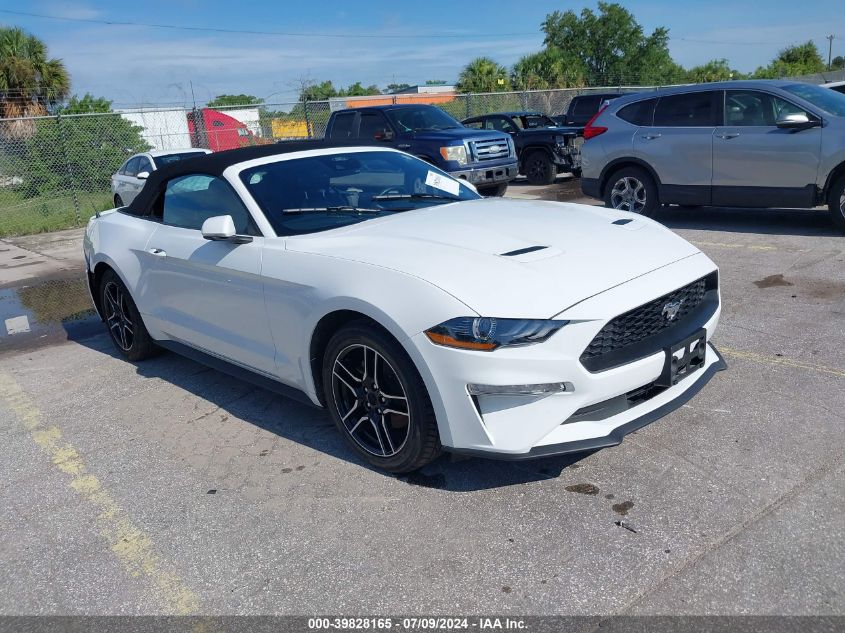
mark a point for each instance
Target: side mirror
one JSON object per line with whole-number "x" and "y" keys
{"x": 383, "y": 135}
{"x": 221, "y": 228}
{"x": 142, "y": 175}
{"x": 798, "y": 121}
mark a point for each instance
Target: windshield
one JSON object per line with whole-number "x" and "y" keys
{"x": 318, "y": 193}
{"x": 828, "y": 100}
{"x": 421, "y": 118}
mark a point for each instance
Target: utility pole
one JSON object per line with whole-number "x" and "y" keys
{"x": 829, "y": 49}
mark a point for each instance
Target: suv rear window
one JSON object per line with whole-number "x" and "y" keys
{"x": 638, "y": 113}
{"x": 693, "y": 109}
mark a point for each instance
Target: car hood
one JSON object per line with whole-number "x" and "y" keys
{"x": 487, "y": 253}
{"x": 458, "y": 134}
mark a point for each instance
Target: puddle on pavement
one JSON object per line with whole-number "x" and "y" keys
{"x": 43, "y": 312}
{"x": 772, "y": 281}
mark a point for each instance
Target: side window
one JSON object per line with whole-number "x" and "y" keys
{"x": 131, "y": 167}
{"x": 476, "y": 125}
{"x": 188, "y": 201}
{"x": 144, "y": 165}
{"x": 694, "y": 109}
{"x": 638, "y": 113}
{"x": 371, "y": 123}
{"x": 502, "y": 125}
{"x": 751, "y": 108}
{"x": 342, "y": 127}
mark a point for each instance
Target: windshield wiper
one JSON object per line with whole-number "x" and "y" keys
{"x": 331, "y": 209}
{"x": 414, "y": 196}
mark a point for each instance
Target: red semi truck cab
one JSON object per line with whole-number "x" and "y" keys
{"x": 218, "y": 131}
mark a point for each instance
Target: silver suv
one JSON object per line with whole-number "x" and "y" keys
{"x": 738, "y": 143}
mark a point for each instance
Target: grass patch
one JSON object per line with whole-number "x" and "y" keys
{"x": 42, "y": 214}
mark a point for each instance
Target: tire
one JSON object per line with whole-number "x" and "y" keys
{"x": 124, "y": 323}
{"x": 118, "y": 201}
{"x": 836, "y": 202}
{"x": 405, "y": 439}
{"x": 640, "y": 196}
{"x": 493, "y": 191}
{"x": 539, "y": 168}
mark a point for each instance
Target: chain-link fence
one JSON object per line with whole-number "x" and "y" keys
{"x": 56, "y": 171}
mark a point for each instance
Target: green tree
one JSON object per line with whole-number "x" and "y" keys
{"x": 793, "y": 61}
{"x": 544, "y": 70}
{"x": 397, "y": 87}
{"x": 80, "y": 152}
{"x": 86, "y": 105}
{"x": 483, "y": 74}
{"x": 838, "y": 63}
{"x": 714, "y": 70}
{"x": 30, "y": 81}
{"x": 610, "y": 47}
{"x": 357, "y": 90}
{"x": 234, "y": 100}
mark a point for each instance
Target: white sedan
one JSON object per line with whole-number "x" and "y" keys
{"x": 422, "y": 316}
{"x": 127, "y": 181}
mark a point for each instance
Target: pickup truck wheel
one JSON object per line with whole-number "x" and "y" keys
{"x": 539, "y": 168}
{"x": 836, "y": 202}
{"x": 493, "y": 191}
{"x": 632, "y": 189}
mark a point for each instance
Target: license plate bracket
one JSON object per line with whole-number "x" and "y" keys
{"x": 683, "y": 359}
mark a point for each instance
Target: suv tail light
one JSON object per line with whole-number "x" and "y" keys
{"x": 591, "y": 130}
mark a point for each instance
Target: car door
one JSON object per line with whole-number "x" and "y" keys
{"x": 207, "y": 294}
{"x": 373, "y": 126}
{"x": 124, "y": 180}
{"x": 679, "y": 145}
{"x": 755, "y": 163}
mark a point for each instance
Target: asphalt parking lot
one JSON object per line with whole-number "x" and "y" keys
{"x": 166, "y": 487}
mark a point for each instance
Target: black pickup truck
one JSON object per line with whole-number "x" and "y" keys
{"x": 543, "y": 147}
{"x": 583, "y": 108}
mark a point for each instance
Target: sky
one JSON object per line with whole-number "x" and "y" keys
{"x": 381, "y": 41}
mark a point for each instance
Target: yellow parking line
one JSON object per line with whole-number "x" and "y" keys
{"x": 132, "y": 547}
{"x": 780, "y": 360}
{"x": 751, "y": 247}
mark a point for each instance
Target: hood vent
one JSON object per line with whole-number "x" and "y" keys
{"x": 622, "y": 221}
{"x": 523, "y": 251}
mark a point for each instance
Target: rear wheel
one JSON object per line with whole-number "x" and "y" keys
{"x": 126, "y": 328}
{"x": 493, "y": 191}
{"x": 632, "y": 189}
{"x": 539, "y": 168}
{"x": 836, "y": 202}
{"x": 378, "y": 400}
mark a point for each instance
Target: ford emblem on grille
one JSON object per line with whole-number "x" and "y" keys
{"x": 493, "y": 149}
{"x": 670, "y": 310}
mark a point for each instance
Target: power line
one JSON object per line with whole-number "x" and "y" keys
{"x": 251, "y": 32}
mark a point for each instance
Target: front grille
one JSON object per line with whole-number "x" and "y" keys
{"x": 489, "y": 150}
{"x": 635, "y": 329}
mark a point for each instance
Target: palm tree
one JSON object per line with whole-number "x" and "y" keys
{"x": 30, "y": 82}
{"x": 483, "y": 74}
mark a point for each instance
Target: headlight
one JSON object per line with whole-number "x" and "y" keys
{"x": 457, "y": 153}
{"x": 486, "y": 334}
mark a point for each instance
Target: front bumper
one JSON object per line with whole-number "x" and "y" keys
{"x": 600, "y": 409}
{"x": 484, "y": 175}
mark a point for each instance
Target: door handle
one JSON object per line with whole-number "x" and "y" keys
{"x": 651, "y": 137}
{"x": 157, "y": 252}
{"x": 728, "y": 135}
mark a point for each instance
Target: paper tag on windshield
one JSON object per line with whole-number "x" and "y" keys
{"x": 444, "y": 183}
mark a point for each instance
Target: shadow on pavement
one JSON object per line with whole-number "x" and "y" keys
{"x": 809, "y": 222}
{"x": 312, "y": 427}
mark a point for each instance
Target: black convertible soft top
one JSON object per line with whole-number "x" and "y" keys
{"x": 215, "y": 164}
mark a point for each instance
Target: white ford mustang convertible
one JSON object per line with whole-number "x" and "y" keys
{"x": 423, "y": 317}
